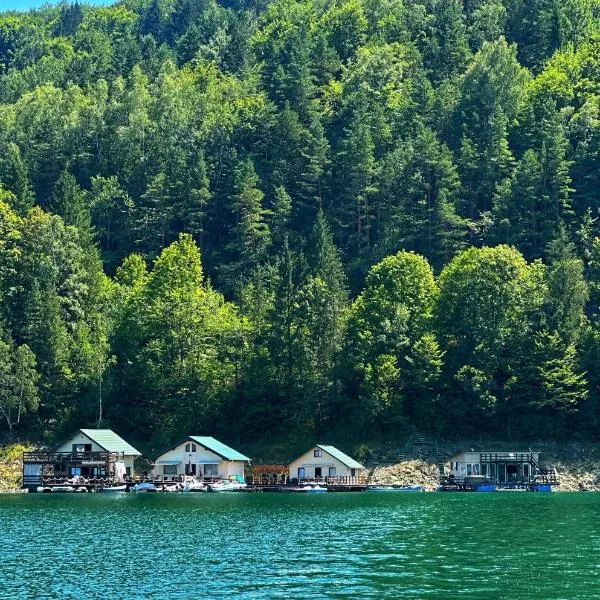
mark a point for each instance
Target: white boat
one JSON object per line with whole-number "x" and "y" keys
{"x": 191, "y": 484}
{"x": 174, "y": 488}
{"x": 226, "y": 486}
{"x": 314, "y": 488}
{"x": 144, "y": 487}
{"x": 62, "y": 488}
{"x": 114, "y": 488}
{"x": 395, "y": 488}
{"x": 196, "y": 486}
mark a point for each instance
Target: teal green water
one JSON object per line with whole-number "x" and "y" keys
{"x": 369, "y": 545}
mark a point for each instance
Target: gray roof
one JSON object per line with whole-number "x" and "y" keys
{"x": 219, "y": 448}
{"x": 339, "y": 455}
{"x": 110, "y": 441}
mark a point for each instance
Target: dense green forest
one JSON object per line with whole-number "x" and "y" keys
{"x": 266, "y": 219}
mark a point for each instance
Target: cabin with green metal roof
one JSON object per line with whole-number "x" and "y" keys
{"x": 326, "y": 464}
{"x": 203, "y": 457}
{"x": 92, "y": 457}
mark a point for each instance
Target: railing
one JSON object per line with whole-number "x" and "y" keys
{"x": 336, "y": 480}
{"x": 39, "y": 457}
{"x": 507, "y": 457}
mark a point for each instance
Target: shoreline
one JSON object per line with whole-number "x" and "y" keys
{"x": 415, "y": 467}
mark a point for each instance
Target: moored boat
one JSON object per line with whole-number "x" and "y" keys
{"x": 226, "y": 486}
{"x": 314, "y": 488}
{"x": 114, "y": 488}
{"x": 395, "y": 488}
{"x": 144, "y": 487}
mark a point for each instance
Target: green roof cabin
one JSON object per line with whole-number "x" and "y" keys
{"x": 326, "y": 463}
{"x": 92, "y": 455}
{"x": 203, "y": 457}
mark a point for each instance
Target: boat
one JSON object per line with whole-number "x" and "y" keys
{"x": 171, "y": 489}
{"x": 314, "y": 488}
{"x": 226, "y": 486}
{"x": 144, "y": 487}
{"x": 114, "y": 488}
{"x": 395, "y": 488}
{"x": 191, "y": 484}
{"x": 62, "y": 488}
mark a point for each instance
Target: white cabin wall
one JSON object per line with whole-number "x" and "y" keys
{"x": 309, "y": 462}
{"x": 79, "y": 438}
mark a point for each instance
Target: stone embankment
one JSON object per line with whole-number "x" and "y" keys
{"x": 408, "y": 472}
{"x": 574, "y": 475}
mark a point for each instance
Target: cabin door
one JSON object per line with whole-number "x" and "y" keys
{"x": 190, "y": 469}
{"x": 501, "y": 473}
{"x": 301, "y": 473}
{"x": 318, "y": 474}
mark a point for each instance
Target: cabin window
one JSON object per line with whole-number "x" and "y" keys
{"x": 484, "y": 469}
{"x": 193, "y": 447}
{"x": 168, "y": 470}
{"x": 331, "y": 471}
{"x": 211, "y": 470}
{"x": 469, "y": 469}
{"x": 352, "y": 472}
{"x": 187, "y": 447}
{"x": 82, "y": 447}
{"x": 318, "y": 453}
{"x": 493, "y": 470}
{"x": 476, "y": 469}
{"x": 75, "y": 471}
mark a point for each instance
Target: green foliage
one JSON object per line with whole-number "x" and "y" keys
{"x": 322, "y": 156}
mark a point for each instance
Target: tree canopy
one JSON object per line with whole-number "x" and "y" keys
{"x": 294, "y": 216}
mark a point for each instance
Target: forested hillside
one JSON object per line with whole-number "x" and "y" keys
{"x": 300, "y": 218}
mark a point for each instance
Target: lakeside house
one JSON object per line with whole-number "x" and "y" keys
{"x": 92, "y": 454}
{"x": 203, "y": 457}
{"x": 505, "y": 469}
{"x": 322, "y": 462}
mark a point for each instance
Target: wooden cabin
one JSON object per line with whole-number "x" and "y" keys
{"x": 505, "y": 469}
{"x": 89, "y": 454}
{"x": 325, "y": 463}
{"x": 200, "y": 456}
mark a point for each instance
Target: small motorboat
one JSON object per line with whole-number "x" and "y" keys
{"x": 62, "y": 488}
{"x": 226, "y": 486}
{"x": 114, "y": 488}
{"x": 395, "y": 488}
{"x": 314, "y": 488}
{"x": 191, "y": 484}
{"x": 172, "y": 489}
{"x": 146, "y": 486}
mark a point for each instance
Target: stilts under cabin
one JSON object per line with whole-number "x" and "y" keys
{"x": 489, "y": 471}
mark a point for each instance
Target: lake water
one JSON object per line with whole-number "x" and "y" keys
{"x": 361, "y": 545}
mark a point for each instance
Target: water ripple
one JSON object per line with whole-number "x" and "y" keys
{"x": 509, "y": 546}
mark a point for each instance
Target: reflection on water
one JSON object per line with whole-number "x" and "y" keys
{"x": 300, "y": 546}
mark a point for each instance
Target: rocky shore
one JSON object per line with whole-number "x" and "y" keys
{"x": 574, "y": 475}
{"x": 578, "y": 469}
{"x": 408, "y": 472}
